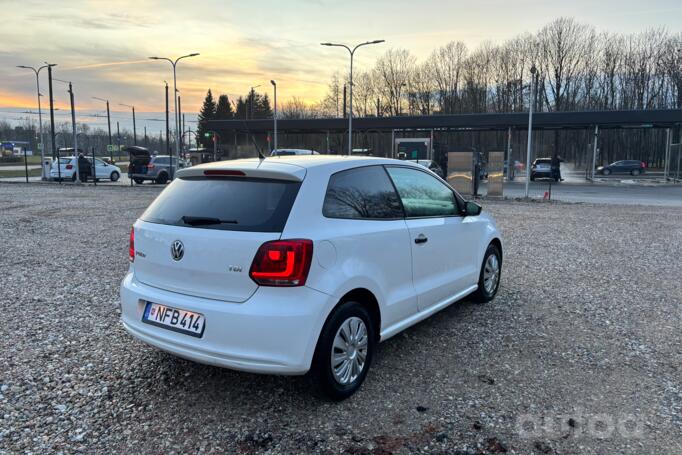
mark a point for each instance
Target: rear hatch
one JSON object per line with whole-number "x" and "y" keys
{"x": 66, "y": 165}
{"x": 218, "y": 223}
{"x": 139, "y": 159}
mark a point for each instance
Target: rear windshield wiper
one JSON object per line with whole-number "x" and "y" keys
{"x": 204, "y": 220}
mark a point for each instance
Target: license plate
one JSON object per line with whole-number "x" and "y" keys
{"x": 174, "y": 319}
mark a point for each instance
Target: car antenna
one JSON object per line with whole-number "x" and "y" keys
{"x": 248, "y": 131}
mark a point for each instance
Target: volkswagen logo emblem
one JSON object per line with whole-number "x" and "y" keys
{"x": 177, "y": 250}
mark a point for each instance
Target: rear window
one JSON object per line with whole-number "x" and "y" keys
{"x": 230, "y": 204}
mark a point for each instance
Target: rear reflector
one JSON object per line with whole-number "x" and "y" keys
{"x": 223, "y": 172}
{"x": 282, "y": 263}
{"x": 131, "y": 247}
{"x": 69, "y": 166}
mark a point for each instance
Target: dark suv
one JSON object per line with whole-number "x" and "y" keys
{"x": 632, "y": 167}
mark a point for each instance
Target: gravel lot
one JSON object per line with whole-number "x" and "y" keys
{"x": 580, "y": 351}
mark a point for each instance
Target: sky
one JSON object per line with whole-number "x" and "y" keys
{"x": 103, "y": 46}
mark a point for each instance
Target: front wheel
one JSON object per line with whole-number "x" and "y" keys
{"x": 344, "y": 351}
{"x": 606, "y": 172}
{"x": 489, "y": 278}
{"x": 114, "y": 176}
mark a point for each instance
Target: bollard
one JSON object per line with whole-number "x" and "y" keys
{"x": 94, "y": 167}
{"x": 25, "y": 164}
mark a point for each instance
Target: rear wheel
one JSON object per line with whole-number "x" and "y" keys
{"x": 635, "y": 172}
{"x": 162, "y": 178}
{"x": 489, "y": 278}
{"x": 114, "y": 176}
{"x": 344, "y": 351}
{"x": 139, "y": 181}
{"x": 73, "y": 177}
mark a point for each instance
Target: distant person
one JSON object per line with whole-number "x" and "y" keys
{"x": 83, "y": 167}
{"x": 556, "y": 168}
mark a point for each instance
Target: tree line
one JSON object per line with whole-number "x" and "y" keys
{"x": 578, "y": 68}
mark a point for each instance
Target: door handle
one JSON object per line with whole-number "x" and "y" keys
{"x": 421, "y": 238}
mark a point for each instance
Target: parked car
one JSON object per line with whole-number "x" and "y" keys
{"x": 289, "y": 152}
{"x": 67, "y": 171}
{"x": 157, "y": 168}
{"x": 541, "y": 168}
{"x": 305, "y": 264}
{"x": 632, "y": 167}
{"x": 430, "y": 165}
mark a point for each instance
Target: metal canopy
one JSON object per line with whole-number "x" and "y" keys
{"x": 543, "y": 120}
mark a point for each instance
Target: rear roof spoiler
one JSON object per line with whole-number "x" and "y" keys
{"x": 251, "y": 169}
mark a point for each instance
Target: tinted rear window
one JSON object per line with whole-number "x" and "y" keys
{"x": 361, "y": 193}
{"x": 255, "y": 205}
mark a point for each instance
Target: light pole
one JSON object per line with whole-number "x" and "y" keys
{"x": 40, "y": 117}
{"x": 134, "y": 126}
{"x": 73, "y": 126}
{"x": 175, "y": 98}
{"x": 111, "y": 144}
{"x": 533, "y": 70}
{"x": 274, "y": 84}
{"x": 350, "y": 111}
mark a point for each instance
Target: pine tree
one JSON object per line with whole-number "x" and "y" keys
{"x": 208, "y": 112}
{"x": 224, "y": 110}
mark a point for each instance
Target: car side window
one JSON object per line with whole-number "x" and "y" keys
{"x": 422, "y": 194}
{"x": 362, "y": 193}
{"x": 161, "y": 161}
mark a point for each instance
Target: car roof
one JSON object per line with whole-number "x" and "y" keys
{"x": 291, "y": 167}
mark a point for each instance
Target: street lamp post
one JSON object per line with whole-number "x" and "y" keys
{"x": 274, "y": 84}
{"x": 111, "y": 144}
{"x": 175, "y": 98}
{"x": 73, "y": 126}
{"x": 350, "y": 111}
{"x": 134, "y": 126}
{"x": 533, "y": 70}
{"x": 43, "y": 176}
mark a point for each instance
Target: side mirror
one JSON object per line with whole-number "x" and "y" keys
{"x": 471, "y": 208}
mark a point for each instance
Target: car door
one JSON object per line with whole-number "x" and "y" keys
{"x": 444, "y": 244}
{"x": 364, "y": 221}
{"x": 101, "y": 169}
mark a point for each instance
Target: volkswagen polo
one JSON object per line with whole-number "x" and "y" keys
{"x": 302, "y": 264}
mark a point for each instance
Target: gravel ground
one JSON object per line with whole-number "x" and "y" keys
{"x": 579, "y": 353}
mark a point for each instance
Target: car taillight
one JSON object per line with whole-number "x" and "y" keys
{"x": 69, "y": 166}
{"x": 642, "y": 164}
{"x": 150, "y": 166}
{"x": 131, "y": 248}
{"x": 282, "y": 263}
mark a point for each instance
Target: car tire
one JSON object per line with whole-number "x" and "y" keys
{"x": 339, "y": 383}
{"x": 606, "y": 172}
{"x": 634, "y": 172}
{"x": 115, "y": 176}
{"x": 489, "y": 277}
{"x": 532, "y": 178}
{"x": 162, "y": 178}
{"x": 138, "y": 181}
{"x": 73, "y": 177}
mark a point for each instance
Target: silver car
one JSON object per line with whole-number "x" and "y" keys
{"x": 159, "y": 170}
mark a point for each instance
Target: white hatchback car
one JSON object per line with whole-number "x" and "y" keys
{"x": 302, "y": 263}
{"x": 67, "y": 169}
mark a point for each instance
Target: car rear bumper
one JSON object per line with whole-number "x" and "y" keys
{"x": 275, "y": 331}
